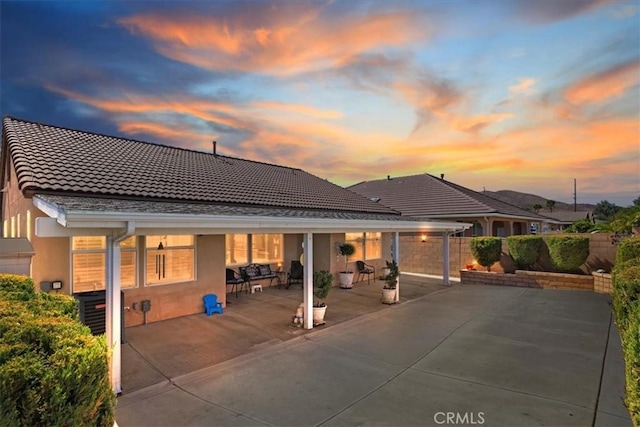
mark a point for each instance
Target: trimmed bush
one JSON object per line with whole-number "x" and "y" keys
{"x": 524, "y": 250}
{"x": 486, "y": 250}
{"x": 626, "y": 290}
{"x": 52, "y": 370}
{"x": 628, "y": 249}
{"x": 631, "y": 350}
{"x": 568, "y": 252}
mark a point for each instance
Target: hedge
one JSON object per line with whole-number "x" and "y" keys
{"x": 626, "y": 307}
{"x": 524, "y": 250}
{"x": 52, "y": 370}
{"x": 628, "y": 249}
{"x": 568, "y": 252}
{"x": 486, "y": 250}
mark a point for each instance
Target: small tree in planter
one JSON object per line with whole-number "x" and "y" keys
{"x": 568, "y": 252}
{"x": 346, "y": 276}
{"x": 322, "y": 284}
{"x": 391, "y": 281}
{"x": 524, "y": 250}
{"x": 486, "y": 250}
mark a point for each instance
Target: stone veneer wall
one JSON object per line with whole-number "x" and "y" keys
{"x": 602, "y": 283}
{"x": 529, "y": 279}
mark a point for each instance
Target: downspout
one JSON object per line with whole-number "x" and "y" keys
{"x": 114, "y": 304}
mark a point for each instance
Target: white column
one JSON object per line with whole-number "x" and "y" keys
{"x": 308, "y": 280}
{"x": 113, "y": 326}
{"x": 445, "y": 259}
{"x": 395, "y": 255}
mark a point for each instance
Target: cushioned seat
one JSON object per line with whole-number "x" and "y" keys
{"x": 365, "y": 269}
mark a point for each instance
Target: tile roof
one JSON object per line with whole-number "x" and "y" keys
{"x": 110, "y": 205}
{"x": 428, "y": 196}
{"x": 54, "y": 159}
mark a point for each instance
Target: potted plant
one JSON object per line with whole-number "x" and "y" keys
{"x": 391, "y": 281}
{"x": 322, "y": 283}
{"x": 346, "y": 276}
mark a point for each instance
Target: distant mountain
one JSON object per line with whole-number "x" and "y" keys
{"x": 526, "y": 201}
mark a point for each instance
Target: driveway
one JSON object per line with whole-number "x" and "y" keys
{"x": 474, "y": 355}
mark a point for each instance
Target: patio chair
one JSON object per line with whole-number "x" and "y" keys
{"x": 296, "y": 274}
{"x": 211, "y": 304}
{"x": 365, "y": 269}
{"x": 235, "y": 280}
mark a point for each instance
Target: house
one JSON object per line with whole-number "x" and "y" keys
{"x": 564, "y": 219}
{"x": 161, "y": 224}
{"x": 427, "y": 196}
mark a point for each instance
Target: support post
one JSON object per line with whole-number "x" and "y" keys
{"x": 445, "y": 259}
{"x": 308, "y": 280}
{"x": 113, "y": 303}
{"x": 395, "y": 255}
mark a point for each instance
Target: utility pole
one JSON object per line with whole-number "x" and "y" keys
{"x": 575, "y": 197}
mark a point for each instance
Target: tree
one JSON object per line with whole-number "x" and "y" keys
{"x": 636, "y": 201}
{"x": 580, "y": 226}
{"x": 537, "y": 207}
{"x": 551, "y": 204}
{"x": 605, "y": 211}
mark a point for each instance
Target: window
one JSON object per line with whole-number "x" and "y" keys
{"x": 170, "y": 259}
{"x": 373, "y": 245}
{"x": 368, "y": 245}
{"x": 236, "y": 248}
{"x": 266, "y": 248}
{"x": 88, "y": 263}
{"x": 357, "y": 240}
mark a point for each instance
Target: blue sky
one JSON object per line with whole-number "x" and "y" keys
{"x": 515, "y": 95}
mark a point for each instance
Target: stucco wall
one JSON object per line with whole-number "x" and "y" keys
{"x": 181, "y": 299}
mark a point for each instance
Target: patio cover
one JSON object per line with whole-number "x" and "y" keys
{"x": 118, "y": 219}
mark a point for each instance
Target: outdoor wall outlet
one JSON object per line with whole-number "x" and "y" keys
{"x": 135, "y": 305}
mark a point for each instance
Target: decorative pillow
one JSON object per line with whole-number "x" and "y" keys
{"x": 265, "y": 270}
{"x": 251, "y": 271}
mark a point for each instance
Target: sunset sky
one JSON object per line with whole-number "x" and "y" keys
{"x": 521, "y": 95}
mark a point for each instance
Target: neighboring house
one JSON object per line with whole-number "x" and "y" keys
{"x": 564, "y": 219}
{"x": 426, "y": 196}
{"x": 162, "y": 223}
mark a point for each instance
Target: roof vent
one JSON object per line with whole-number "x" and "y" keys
{"x": 215, "y": 143}
{"x": 375, "y": 199}
{"x": 441, "y": 176}
{"x": 388, "y": 177}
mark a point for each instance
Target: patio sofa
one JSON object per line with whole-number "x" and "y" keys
{"x": 254, "y": 272}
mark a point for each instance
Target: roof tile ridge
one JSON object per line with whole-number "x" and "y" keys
{"x": 461, "y": 190}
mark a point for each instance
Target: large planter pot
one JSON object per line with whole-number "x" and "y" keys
{"x": 388, "y": 296}
{"x": 318, "y": 315}
{"x": 346, "y": 280}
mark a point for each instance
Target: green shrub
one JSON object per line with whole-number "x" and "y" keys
{"x": 16, "y": 287}
{"x": 486, "y": 250}
{"x": 626, "y": 290}
{"x": 568, "y": 252}
{"x": 631, "y": 350}
{"x": 580, "y": 226}
{"x": 628, "y": 249}
{"x": 524, "y": 250}
{"x": 52, "y": 370}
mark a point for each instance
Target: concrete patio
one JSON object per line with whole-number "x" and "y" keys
{"x": 159, "y": 351}
{"x": 495, "y": 355}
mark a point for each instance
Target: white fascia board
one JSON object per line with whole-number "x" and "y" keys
{"x": 51, "y": 210}
{"x": 50, "y": 227}
{"x": 220, "y": 224}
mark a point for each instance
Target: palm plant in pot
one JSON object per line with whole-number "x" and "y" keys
{"x": 391, "y": 281}
{"x": 346, "y": 276}
{"x": 322, "y": 283}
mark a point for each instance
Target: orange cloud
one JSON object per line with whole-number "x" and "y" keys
{"x": 287, "y": 41}
{"x": 525, "y": 86}
{"x": 605, "y": 85}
